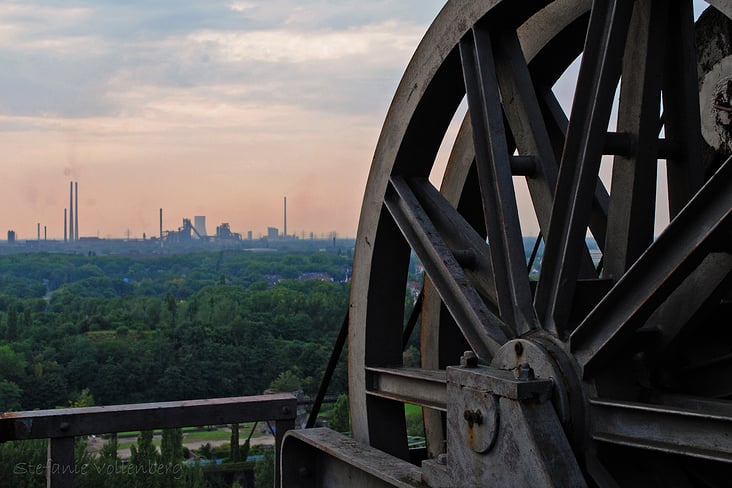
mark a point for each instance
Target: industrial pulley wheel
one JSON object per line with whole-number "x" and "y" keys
{"x": 607, "y": 359}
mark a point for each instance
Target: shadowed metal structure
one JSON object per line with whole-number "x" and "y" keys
{"x": 609, "y": 373}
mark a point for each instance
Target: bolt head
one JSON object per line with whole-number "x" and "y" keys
{"x": 524, "y": 372}
{"x": 468, "y": 360}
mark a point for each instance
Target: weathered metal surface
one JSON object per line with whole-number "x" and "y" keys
{"x": 643, "y": 323}
{"x": 70, "y": 422}
{"x": 428, "y": 94}
{"x": 483, "y": 330}
{"x": 661, "y": 269}
{"x": 704, "y": 432}
{"x": 327, "y": 459}
{"x": 502, "y": 431}
{"x": 61, "y": 464}
{"x": 579, "y": 169}
{"x": 494, "y": 172}
{"x": 631, "y": 220}
{"x": 409, "y": 385}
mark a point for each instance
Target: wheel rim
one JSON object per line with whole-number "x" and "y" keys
{"x": 576, "y": 322}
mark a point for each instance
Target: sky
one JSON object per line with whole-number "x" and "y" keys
{"x": 215, "y": 108}
{"x": 219, "y": 108}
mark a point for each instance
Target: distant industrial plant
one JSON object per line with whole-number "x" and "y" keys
{"x": 189, "y": 232}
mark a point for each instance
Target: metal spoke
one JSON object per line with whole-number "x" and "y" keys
{"x": 557, "y": 120}
{"x": 673, "y": 257}
{"x": 580, "y": 164}
{"x": 527, "y": 126}
{"x": 482, "y": 329}
{"x": 708, "y": 280}
{"x": 632, "y": 213}
{"x": 697, "y": 432}
{"x": 459, "y": 235}
{"x": 681, "y": 107}
{"x": 494, "y": 176}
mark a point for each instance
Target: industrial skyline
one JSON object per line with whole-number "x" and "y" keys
{"x": 70, "y": 226}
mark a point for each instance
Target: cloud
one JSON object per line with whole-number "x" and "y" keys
{"x": 293, "y": 46}
{"x": 242, "y": 99}
{"x": 241, "y": 6}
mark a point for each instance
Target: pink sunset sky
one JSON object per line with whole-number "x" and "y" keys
{"x": 218, "y": 108}
{"x": 213, "y": 108}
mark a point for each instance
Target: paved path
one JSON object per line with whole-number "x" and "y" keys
{"x": 94, "y": 444}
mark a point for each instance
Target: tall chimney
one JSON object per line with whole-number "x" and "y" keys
{"x": 71, "y": 211}
{"x": 65, "y": 225}
{"x": 45, "y": 233}
{"x": 161, "y": 225}
{"x": 284, "y": 232}
{"x": 76, "y": 217}
{"x": 39, "y": 231}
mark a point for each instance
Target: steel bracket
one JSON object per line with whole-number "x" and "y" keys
{"x": 502, "y": 430}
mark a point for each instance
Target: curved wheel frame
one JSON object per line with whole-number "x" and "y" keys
{"x": 628, "y": 317}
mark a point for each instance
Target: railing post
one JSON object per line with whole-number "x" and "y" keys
{"x": 60, "y": 465}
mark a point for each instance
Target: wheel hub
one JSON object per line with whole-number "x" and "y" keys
{"x": 716, "y": 104}
{"x": 546, "y": 358}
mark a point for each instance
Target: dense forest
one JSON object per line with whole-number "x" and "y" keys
{"x": 140, "y": 329}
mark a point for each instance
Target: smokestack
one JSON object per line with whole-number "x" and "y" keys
{"x": 71, "y": 211}
{"x": 45, "y": 233}
{"x": 161, "y": 225}
{"x": 65, "y": 225}
{"x": 76, "y": 217}
{"x": 284, "y": 232}
{"x": 39, "y": 231}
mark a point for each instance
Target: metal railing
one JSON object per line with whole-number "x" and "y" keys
{"x": 61, "y": 427}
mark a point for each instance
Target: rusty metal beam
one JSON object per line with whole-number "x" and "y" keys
{"x": 424, "y": 387}
{"x": 697, "y": 432}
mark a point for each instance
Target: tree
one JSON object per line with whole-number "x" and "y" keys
{"x": 171, "y": 306}
{"x": 12, "y": 364}
{"x": 27, "y": 318}
{"x": 171, "y": 456}
{"x": 340, "y": 419}
{"x": 18, "y": 463}
{"x": 171, "y": 446}
{"x": 264, "y": 471}
{"x": 286, "y": 382}
{"x": 144, "y": 457}
{"x": 85, "y": 399}
{"x": 10, "y": 395}
{"x": 12, "y": 325}
{"x": 109, "y": 449}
